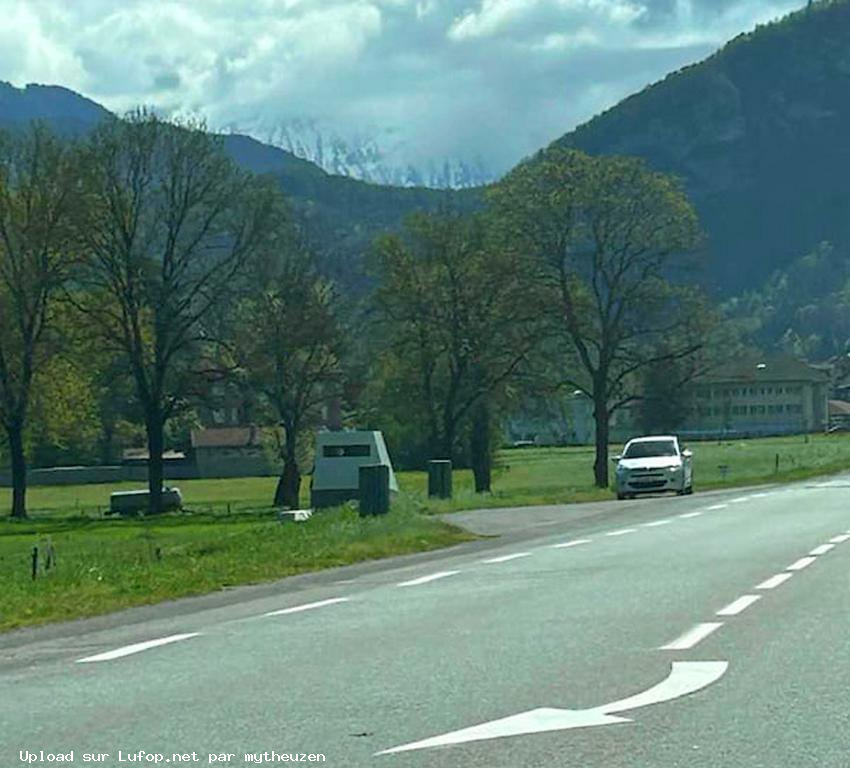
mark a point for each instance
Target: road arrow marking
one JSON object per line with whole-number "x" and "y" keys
{"x": 685, "y": 677}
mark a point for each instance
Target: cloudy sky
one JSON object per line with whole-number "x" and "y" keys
{"x": 462, "y": 78}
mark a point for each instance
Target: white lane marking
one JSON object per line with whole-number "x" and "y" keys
{"x": 739, "y": 606}
{"x": 506, "y": 558}
{"x": 840, "y": 539}
{"x": 621, "y": 532}
{"x": 775, "y": 581}
{"x": 803, "y": 562}
{"x": 576, "y": 543}
{"x": 685, "y": 678}
{"x": 760, "y": 495}
{"x": 822, "y": 549}
{"x": 657, "y": 523}
{"x": 692, "y": 636}
{"x": 426, "y": 579}
{"x": 128, "y": 650}
{"x": 307, "y": 606}
{"x": 716, "y": 506}
{"x": 740, "y": 500}
{"x": 690, "y": 514}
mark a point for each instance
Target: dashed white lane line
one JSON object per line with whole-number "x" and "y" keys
{"x": 760, "y": 495}
{"x": 840, "y": 539}
{"x": 657, "y": 523}
{"x": 775, "y": 581}
{"x": 822, "y": 549}
{"x": 688, "y": 515}
{"x": 621, "y": 532}
{"x": 717, "y": 506}
{"x": 739, "y": 606}
{"x": 426, "y": 579}
{"x": 692, "y": 636}
{"x": 128, "y": 650}
{"x": 740, "y": 500}
{"x": 507, "y": 558}
{"x": 307, "y": 606}
{"x": 803, "y": 562}
{"x": 575, "y": 543}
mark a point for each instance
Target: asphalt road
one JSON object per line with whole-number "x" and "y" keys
{"x": 583, "y": 636}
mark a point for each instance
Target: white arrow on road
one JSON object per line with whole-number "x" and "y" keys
{"x": 685, "y": 677}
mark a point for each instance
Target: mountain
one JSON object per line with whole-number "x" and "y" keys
{"x": 759, "y": 134}
{"x": 375, "y": 156}
{"x": 339, "y": 216}
{"x": 66, "y": 111}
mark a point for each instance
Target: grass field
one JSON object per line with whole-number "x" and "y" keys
{"x": 230, "y": 534}
{"x": 104, "y": 565}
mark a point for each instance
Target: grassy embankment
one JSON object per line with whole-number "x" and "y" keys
{"x": 230, "y": 535}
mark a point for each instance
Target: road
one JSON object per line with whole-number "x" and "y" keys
{"x": 705, "y": 631}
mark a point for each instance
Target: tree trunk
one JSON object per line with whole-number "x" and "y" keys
{"x": 602, "y": 419}
{"x": 15, "y": 434}
{"x": 107, "y": 441}
{"x": 156, "y": 439}
{"x": 288, "y": 491}
{"x": 479, "y": 447}
{"x": 446, "y": 442}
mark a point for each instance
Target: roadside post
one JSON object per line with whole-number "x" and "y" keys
{"x": 439, "y": 479}
{"x": 374, "y": 489}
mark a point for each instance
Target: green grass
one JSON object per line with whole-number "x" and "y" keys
{"x": 230, "y": 535}
{"x": 105, "y": 565}
{"x": 530, "y": 476}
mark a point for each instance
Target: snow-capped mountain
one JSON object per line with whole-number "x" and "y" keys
{"x": 362, "y": 156}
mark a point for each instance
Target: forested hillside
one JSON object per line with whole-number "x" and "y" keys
{"x": 340, "y": 216}
{"x": 759, "y": 132}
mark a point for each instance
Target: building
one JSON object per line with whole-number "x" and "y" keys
{"x": 759, "y": 396}
{"x": 230, "y": 452}
{"x": 839, "y": 415}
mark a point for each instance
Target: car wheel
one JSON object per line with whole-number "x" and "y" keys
{"x": 690, "y": 489}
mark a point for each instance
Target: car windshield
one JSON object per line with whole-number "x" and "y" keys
{"x": 650, "y": 449}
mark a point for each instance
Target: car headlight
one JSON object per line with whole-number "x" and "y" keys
{"x": 675, "y": 468}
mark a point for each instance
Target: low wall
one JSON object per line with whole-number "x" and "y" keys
{"x": 103, "y": 474}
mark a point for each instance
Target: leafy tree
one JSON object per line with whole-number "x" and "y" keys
{"x": 288, "y": 345}
{"x": 171, "y": 225}
{"x": 64, "y": 423}
{"x": 606, "y": 233}
{"x": 665, "y": 404}
{"x": 38, "y": 194}
{"x": 461, "y": 319}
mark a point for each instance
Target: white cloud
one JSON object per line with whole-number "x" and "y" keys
{"x": 496, "y": 78}
{"x": 495, "y": 17}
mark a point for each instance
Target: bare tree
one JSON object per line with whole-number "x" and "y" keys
{"x": 607, "y": 232}
{"x": 171, "y": 226}
{"x": 37, "y": 197}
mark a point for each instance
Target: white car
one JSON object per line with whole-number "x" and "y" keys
{"x": 653, "y": 465}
